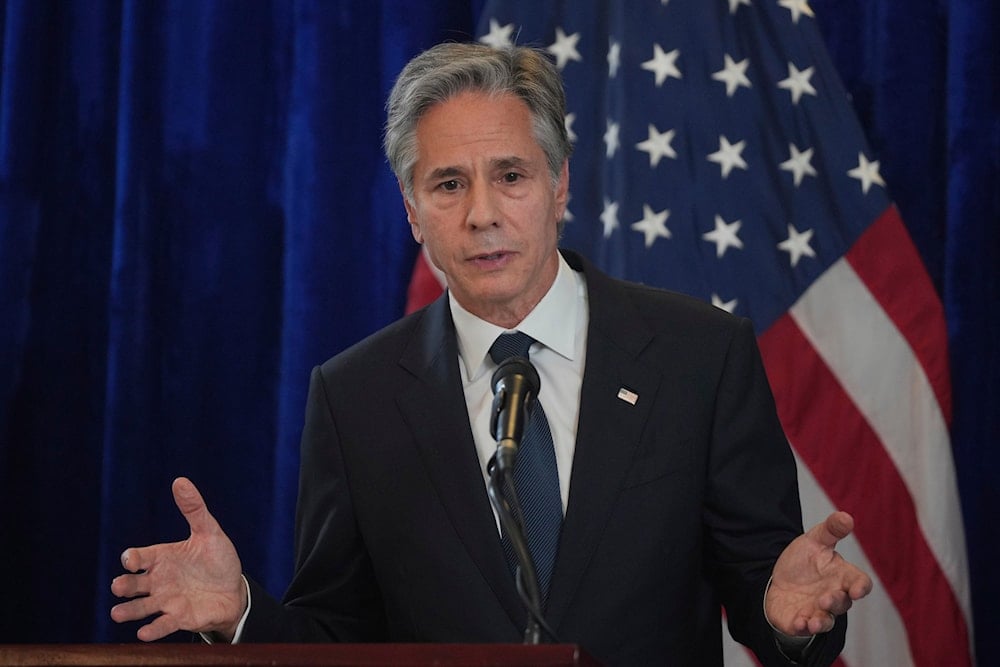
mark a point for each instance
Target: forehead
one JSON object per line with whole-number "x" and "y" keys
{"x": 477, "y": 122}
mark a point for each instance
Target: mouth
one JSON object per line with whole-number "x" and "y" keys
{"x": 492, "y": 259}
{"x": 491, "y": 256}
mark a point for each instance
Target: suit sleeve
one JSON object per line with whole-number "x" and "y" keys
{"x": 333, "y": 595}
{"x": 752, "y": 510}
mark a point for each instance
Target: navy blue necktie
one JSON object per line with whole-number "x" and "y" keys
{"x": 536, "y": 477}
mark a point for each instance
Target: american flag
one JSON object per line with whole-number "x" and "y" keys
{"x": 716, "y": 154}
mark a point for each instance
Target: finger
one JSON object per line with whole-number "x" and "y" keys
{"x": 861, "y": 586}
{"x": 136, "y": 559}
{"x": 854, "y": 583}
{"x": 836, "y": 527}
{"x": 840, "y": 524}
{"x": 820, "y": 623}
{"x": 158, "y": 629}
{"x": 192, "y": 506}
{"x": 130, "y": 560}
{"x": 129, "y": 585}
{"x": 134, "y": 610}
{"x": 836, "y": 603}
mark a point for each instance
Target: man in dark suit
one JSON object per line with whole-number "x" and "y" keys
{"x": 677, "y": 487}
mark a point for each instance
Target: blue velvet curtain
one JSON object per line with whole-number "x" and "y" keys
{"x": 194, "y": 210}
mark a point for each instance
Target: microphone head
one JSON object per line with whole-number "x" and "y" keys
{"x": 515, "y": 386}
{"x": 516, "y": 368}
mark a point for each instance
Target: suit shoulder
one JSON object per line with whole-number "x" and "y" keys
{"x": 663, "y": 308}
{"x": 385, "y": 345}
{"x": 613, "y": 300}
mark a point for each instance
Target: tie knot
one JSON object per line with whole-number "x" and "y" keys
{"x": 510, "y": 345}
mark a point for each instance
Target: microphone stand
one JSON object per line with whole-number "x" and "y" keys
{"x": 501, "y": 469}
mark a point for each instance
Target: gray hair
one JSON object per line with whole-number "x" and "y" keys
{"x": 444, "y": 71}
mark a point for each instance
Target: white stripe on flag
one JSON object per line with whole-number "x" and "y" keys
{"x": 734, "y": 654}
{"x": 876, "y": 634}
{"x": 875, "y": 365}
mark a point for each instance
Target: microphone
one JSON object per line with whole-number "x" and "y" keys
{"x": 515, "y": 386}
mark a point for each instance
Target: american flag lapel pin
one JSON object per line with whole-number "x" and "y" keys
{"x": 628, "y": 396}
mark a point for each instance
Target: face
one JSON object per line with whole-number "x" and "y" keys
{"x": 484, "y": 204}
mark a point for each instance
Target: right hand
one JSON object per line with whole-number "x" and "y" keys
{"x": 195, "y": 585}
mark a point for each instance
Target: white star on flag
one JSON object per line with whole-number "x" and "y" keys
{"x": 797, "y": 8}
{"x": 499, "y": 36}
{"x": 799, "y": 163}
{"x": 867, "y": 173}
{"x": 609, "y": 217}
{"x": 797, "y": 244}
{"x": 653, "y": 224}
{"x": 658, "y": 145}
{"x": 663, "y": 64}
{"x": 733, "y": 74}
{"x": 734, "y": 4}
{"x": 564, "y": 48}
{"x": 570, "y": 117}
{"x": 567, "y": 215}
{"x": 611, "y": 139}
{"x": 724, "y": 236}
{"x": 614, "y": 59}
{"x": 728, "y": 306}
{"x": 729, "y": 155}
{"x": 798, "y": 82}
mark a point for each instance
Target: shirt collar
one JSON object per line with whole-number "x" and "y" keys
{"x": 546, "y": 323}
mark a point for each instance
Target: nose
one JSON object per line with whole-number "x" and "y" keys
{"x": 482, "y": 210}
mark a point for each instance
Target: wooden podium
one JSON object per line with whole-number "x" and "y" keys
{"x": 294, "y": 655}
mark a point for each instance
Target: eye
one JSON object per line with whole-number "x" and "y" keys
{"x": 511, "y": 177}
{"x": 449, "y": 186}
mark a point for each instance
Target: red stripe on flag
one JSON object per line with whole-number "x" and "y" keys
{"x": 886, "y": 260}
{"x": 424, "y": 286}
{"x": 848, "y": 461}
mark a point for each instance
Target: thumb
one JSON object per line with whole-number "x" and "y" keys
{"x": 836, "y": 527}
{"x": 192, "y": 506}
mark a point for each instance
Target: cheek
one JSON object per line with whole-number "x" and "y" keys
{"x": 434, "y": 243}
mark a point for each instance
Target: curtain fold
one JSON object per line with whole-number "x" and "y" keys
{"x": 971, "y": 289}
{"x": 347, "y": 247}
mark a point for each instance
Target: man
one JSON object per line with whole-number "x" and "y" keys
{"x": 676, "y": 483}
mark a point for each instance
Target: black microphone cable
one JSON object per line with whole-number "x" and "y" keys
{"x": 508, "y": 509}
{"x": 515, "y": 386}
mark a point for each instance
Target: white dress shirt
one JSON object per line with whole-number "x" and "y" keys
{"x": 559, "y": 325}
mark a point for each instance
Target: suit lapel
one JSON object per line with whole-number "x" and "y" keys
{"x": 435, "y": 409}
{"x": 608, "y": 430}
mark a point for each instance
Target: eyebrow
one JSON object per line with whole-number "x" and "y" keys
{"x": 444, "y": 173}
{"x": 508, "y": 163}
{"x": 498, "y": 164}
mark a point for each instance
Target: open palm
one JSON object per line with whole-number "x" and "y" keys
{"x": 812, "y": 583}
{"x": 193, "y": 585}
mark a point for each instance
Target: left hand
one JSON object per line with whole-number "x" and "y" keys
{"x": 812, "y": 584}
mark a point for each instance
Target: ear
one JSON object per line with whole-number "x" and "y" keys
{"x": 411, "y": 215}
{"x": 562, "y": 191}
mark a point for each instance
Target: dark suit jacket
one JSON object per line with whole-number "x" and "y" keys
{"x": 678, "y": 503}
